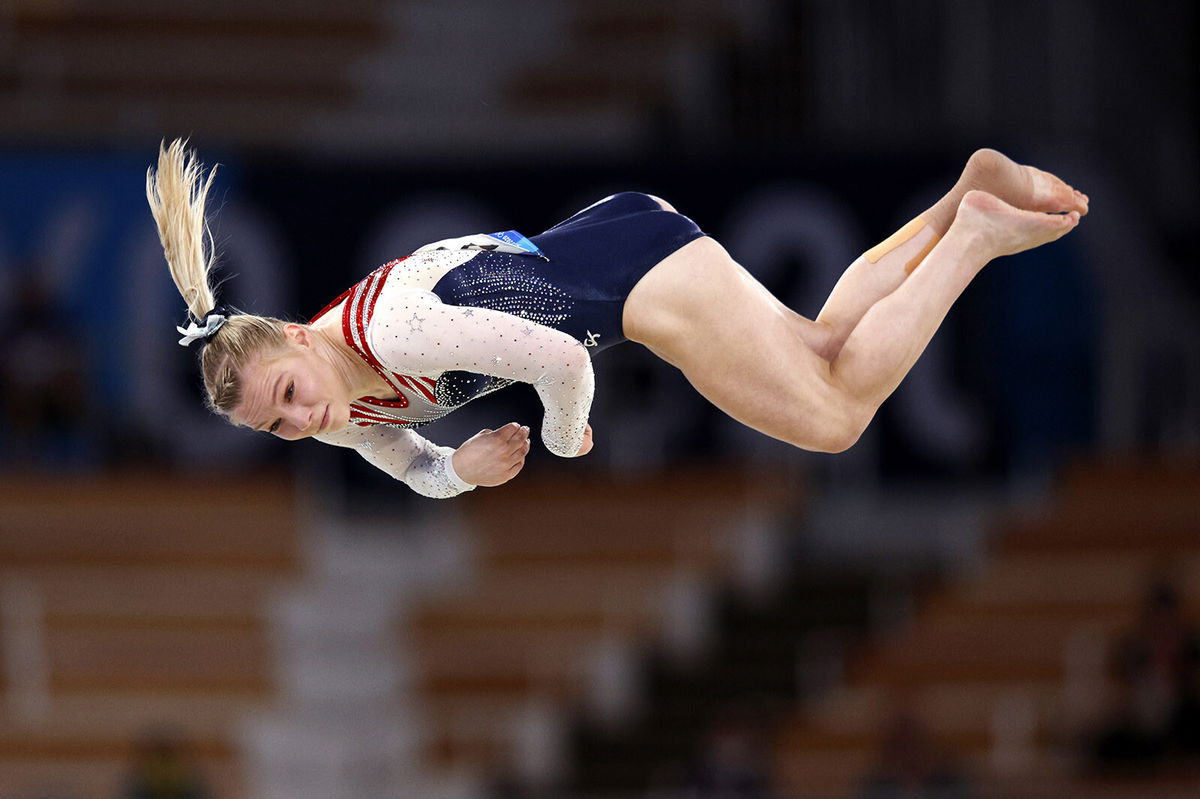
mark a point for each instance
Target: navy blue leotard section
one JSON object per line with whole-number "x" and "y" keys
{"x": 595, "y": 259}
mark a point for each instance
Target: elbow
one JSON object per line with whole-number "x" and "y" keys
{"x": 575, "y": 364}
{"x": 556, "y": 445}
{"x": 571, "y": 373}
{"x": 562, "y": 440}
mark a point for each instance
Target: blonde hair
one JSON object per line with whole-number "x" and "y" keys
{"x": 177, "y": 191}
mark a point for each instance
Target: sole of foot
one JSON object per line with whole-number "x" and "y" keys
{"x": 1005, "y": 230}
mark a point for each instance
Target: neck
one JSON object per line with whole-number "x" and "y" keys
{"x": 359, "y": 378}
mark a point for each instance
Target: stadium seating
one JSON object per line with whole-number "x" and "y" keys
{"x": 133, "y": 605}
{"x": 986, "y": 663}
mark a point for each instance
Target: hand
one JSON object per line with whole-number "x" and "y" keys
{"x": 586, "y": 447}
{"x": 493, "y": 457}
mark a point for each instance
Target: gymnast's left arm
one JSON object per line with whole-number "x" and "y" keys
{"x": 428, "y": 337}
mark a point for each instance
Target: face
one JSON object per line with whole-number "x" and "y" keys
{"x": 293, "y": 395}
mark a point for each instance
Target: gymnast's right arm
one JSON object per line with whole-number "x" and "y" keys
{"x": 488, "y": 458}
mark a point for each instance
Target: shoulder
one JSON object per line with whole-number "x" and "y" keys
{"x": 399, "y": 317}
{"x": 400, "y": 312}
{"x": 421, "y": 271}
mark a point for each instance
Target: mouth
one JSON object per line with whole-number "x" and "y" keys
{"x": 324, "y": 421}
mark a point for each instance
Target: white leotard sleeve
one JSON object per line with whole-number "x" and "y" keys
{"x": 413, "y": 332}
{"x": 403, "y": 454}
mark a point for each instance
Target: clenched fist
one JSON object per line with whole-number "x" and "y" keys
{"x": 492, "y": 457}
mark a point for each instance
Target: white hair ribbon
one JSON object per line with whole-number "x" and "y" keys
{"x": 194, "y": 332}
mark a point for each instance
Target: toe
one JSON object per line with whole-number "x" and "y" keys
{"x": 1069, "y": 222}
{"x": 1051, "y": 194}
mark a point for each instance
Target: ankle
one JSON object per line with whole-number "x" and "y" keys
{"x": 941, "y": 216}
{"x": 967, "y": 236}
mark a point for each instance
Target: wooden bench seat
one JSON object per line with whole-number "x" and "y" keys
{"x": 124, "y": 522}
{"x": 183, "y": 593}
{"x": 101, "y": 774}
{"x": 220, "y": 658}
{"x": 947, "y": 708}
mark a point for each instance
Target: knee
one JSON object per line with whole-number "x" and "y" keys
{"x": 835, "y": 441}
{"x": 842, "y": 442}
{"x": 840, "y": 430}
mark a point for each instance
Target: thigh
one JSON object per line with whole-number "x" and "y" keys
{"x": 698, "y": 284}
{"x": 739, "y": 346}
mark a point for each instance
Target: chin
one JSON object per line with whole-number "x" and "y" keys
{"x": 338, "y": 419}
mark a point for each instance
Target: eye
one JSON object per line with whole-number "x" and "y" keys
{"x": 274, "y": 426}
{"x": 291, "y": 390}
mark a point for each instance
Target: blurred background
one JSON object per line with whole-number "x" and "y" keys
{"x": 996, "y": 593}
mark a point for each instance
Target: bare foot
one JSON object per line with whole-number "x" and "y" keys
{"x": 1005, "y": 230}
{"x": 1024, "y": 187}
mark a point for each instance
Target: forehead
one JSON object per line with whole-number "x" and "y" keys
{"x": 258, "y": 378}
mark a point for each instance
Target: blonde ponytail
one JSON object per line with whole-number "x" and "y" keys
{"x": 177, "y": 192}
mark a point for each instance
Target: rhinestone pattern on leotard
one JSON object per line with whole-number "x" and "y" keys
{"x": 437, "y": 357}
{"x": 498, "y": 281}
{"x": 469, "y": 352}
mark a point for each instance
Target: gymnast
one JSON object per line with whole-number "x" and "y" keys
{"x": 460, "y": 318}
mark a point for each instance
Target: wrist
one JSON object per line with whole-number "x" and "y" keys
{"x": 452, "y": 474}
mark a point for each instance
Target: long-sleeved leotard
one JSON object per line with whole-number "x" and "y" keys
{"x": 437, "y": 357}
{"x": 445, "y": 326}
{"x": 406, "y": 456}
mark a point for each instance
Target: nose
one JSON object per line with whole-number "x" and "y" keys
{"x": 301, "y": 419}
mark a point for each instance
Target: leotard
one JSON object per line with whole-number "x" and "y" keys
{"x": 445, "y": 326}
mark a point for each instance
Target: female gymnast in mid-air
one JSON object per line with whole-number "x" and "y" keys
{"x": 425, "y": 334}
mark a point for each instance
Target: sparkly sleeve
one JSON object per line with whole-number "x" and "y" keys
{"x": 406, "y": 456}
{"x": 417, "y": 334}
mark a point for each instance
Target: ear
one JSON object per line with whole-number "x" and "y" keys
{"x": 298, "y": 335}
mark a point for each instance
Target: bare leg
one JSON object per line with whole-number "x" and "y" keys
{"x": 743, "y": 350}
{"x": 861, "y": 286}
{"x": 885, "y": 344}
{"x": 865, "y": 282}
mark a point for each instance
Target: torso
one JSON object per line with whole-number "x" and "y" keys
{"x": 405, "y": 400}
{"x": 592, "y": 262}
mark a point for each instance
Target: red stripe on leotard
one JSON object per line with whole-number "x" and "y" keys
{"x": 357, "y": 311}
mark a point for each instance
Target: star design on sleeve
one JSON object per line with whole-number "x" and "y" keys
{"x": 468, "y": 312}
{"x": 414, "y": 324}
